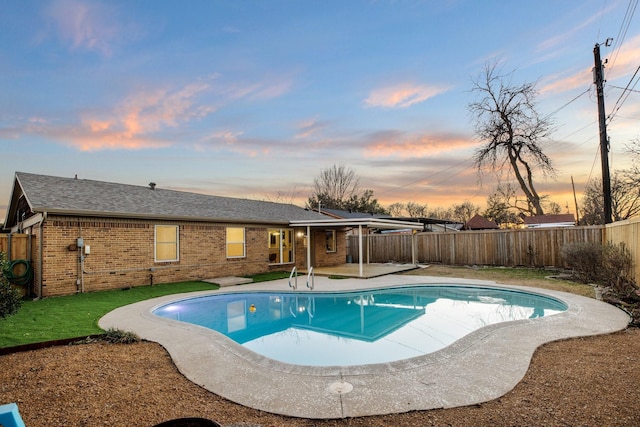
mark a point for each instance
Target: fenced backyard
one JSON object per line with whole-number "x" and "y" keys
{"x": 540, "y": 247}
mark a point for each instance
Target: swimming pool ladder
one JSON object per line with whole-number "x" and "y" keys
{"x": 295, "y": 283}
{"x": 311, "y": 276}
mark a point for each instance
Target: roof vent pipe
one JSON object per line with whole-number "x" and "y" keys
{"x": 152, "y": 185}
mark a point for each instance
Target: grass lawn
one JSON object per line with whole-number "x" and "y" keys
{"x": 77, "y": 315}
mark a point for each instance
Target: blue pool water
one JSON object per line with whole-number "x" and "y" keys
{"x": 357, "y": 328}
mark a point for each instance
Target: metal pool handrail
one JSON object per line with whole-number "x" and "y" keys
{"x": 295, "y": 285}
{"x": 312, "y": 276}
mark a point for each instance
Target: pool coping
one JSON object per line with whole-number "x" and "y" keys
{"x": 481, "y": 366}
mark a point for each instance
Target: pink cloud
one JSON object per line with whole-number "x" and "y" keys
{"x": 89, "y": 26}
{"x": 232, "y": 141}
{"x": 133, "y": 123}
{"x": 625, "y": 61}
{"x": 620, "y": 65}
{"x": 402, "y": 95}
{"x": 263, "y": 90}
{"x": 398, "y": 145}
{"x": 309, "y": 128}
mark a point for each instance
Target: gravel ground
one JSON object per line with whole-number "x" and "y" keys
{"x": 590, "y": 381}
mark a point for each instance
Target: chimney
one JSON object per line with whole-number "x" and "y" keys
{"x": 152, "y": 185}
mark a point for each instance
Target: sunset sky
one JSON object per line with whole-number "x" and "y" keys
{"x": 253, "y": 99}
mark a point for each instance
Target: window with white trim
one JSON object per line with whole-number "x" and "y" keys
{"x": 236, "y": 242}
{"x": 166, "y": 243}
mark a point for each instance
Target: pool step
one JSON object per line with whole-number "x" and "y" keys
{"x": 229, "y": 281}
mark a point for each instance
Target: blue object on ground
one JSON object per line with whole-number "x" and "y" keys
{"x": 10, "y": 417}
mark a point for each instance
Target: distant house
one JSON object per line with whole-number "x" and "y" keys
{"x": 478, "y": 222}
{"x": 545, "y": 221}
{"x": 92, "y": 235}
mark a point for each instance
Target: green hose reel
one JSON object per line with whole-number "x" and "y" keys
{"x": 18, "y": 272}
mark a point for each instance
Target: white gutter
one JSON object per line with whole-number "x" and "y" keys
{"x": 41, "y": 250}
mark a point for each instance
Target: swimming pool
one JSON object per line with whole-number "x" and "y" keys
{"x": 481, "y": 366}
{"x": 357, "y": 328}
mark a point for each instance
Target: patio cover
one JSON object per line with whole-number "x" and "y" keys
{"x": 366, "y": 223}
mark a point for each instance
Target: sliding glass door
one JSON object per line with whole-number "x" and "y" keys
{"x": 281, "y": 246}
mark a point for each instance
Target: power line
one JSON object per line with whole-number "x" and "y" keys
{"x": 425, "y": 178}
{"x": 621, "y": 88}
{"x": 624, "y": 27}
{"x": 568, "y": 103}
{"x": 593, "y": 165}
{"x": 579, "y": 130}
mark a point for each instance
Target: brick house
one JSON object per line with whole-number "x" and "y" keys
{"x": 91, "y": 235}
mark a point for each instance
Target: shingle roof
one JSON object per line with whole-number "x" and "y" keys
{"x": 479, "y": 222}
{"x": 97, "y": 198}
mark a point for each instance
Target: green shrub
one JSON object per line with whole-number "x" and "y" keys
{"x": 9, "y": 296}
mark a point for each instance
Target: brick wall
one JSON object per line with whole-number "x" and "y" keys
{"x": 122, "y": 254}
{"x": 323, "y": 258}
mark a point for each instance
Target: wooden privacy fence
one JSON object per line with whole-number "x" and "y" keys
{"x": 527, "y": 247}
{"x": 626, "y": 233}
{"x": 20, "y": 246}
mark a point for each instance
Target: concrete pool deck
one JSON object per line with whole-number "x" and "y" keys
{"x": 482, "y": 366}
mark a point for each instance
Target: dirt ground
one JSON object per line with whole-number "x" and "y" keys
{"x": 592, "y": 381}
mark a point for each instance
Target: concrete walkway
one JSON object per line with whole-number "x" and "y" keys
{"x": 482, "y": 366}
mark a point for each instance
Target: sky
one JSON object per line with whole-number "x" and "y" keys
{"x": 253, "y": 99}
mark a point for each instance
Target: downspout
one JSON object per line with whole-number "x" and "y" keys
{"x": 360, "y": 269}
{"x": 80, "y": 260}
{"x": 41, "y": 256}
{"x": 80, "y": 250}
{"x": 308, "y": 246}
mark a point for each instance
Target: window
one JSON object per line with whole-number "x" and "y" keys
{"x": 280, "y": 246}
{"x": 331, "y": 240}
{"x": 235, "y": 242}
{"x": 166, "y": 243}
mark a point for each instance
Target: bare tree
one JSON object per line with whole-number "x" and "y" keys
{"x": 625, "y": 199}
{"x": 464, "y": 212}
{"x": 440, "y": 213}
{"x": 499, "y": 208}
{"x": 507, "y": 122}
{"x": 416, "y": 210}
{"x": 633, "y": 149}
{"x": 287, "y": 197}
{"x": 396, "y": 209}
{"x": 338, "y": 187}
{"x": 334, "y": 186}
{"x": 553, "y": 208}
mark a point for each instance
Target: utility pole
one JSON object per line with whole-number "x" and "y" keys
{"x": 575, "y": 200}
{"x": 598, "y": 76}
